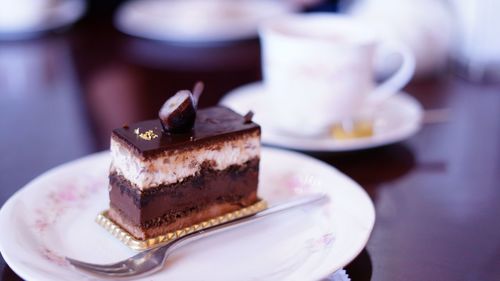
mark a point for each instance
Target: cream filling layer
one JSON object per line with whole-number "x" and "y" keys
{"x": 173, "y": 166}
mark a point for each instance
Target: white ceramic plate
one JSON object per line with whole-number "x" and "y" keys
{"x": 197, "y": 21}
{"x": 32, "y": 22}
{"x": 53, "y": 216}
{"x": 398, "y": 118}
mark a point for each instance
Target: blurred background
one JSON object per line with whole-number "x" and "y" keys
{"x": 72, "y": 70}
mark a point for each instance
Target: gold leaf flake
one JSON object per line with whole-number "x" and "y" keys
{"x": 148, "y": 135}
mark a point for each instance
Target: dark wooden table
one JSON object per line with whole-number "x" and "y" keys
{"x": 437, "y": 194}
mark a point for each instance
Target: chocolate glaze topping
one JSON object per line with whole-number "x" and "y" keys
{"x": 212, "y": 124}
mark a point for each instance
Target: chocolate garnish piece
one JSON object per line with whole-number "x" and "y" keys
{"x": 248, "y": 117}
{"x": 178, "y": 113}
{"x": 197, "y": 90}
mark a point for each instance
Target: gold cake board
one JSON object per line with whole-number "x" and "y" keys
{"x": 139, "y": 245}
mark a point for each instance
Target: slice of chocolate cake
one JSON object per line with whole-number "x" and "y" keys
{"x": 162, "y": 181}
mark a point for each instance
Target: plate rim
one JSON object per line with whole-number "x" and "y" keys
{"x": 255, "y": 88}
{"x": 354, "y": 184}
{"x": 24, "y": 189}
{"x": 78, "y": 7}
{"x": 121, "y": 23}
{"x": 6, "y": 208}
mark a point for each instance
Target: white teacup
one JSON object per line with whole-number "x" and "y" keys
{"x": 319, "y": 70}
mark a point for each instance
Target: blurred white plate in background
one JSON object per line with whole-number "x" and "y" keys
{"x": 29, "y": 18}
{"x": 398, "y": 118}
{"x": 197, "y": 21}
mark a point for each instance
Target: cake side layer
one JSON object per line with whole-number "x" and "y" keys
{"x": 206, "y": 187}
{"x": 207, "y": 213}
{"x": 172, "y": 166}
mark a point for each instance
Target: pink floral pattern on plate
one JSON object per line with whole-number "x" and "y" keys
{"x": 68, "y": 193}
{"x": 292, "y": 184}
{"x": 54, "y": 258}
{"x": 320, "y": 243}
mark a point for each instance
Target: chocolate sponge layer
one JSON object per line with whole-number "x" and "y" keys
{"x": 234, "y": 187}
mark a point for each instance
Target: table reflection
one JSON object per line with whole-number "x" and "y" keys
{"x": 40, "y": 105}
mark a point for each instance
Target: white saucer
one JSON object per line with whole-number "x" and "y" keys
{"x": 53, "y": 216}
{"x": 58, "y": 14}
{"x": 196, "y": 21}
{"x": 398, "y": 118}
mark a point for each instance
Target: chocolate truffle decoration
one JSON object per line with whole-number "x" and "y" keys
{"x": 178, "y": 113}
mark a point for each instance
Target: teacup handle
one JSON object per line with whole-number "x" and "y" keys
{"x": 399, "y": 79}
